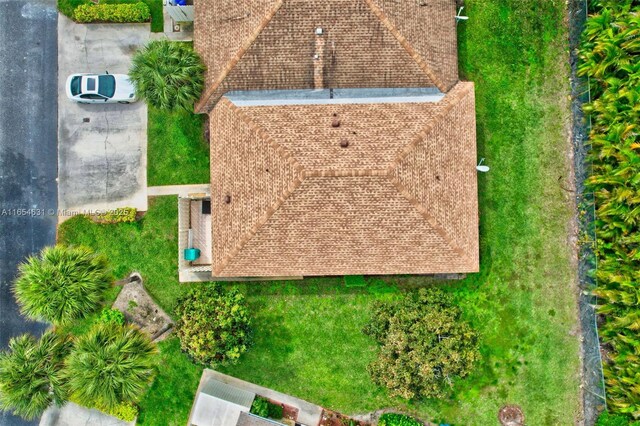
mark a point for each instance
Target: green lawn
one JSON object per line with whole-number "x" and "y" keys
{"x": 66, "y": 7}
{"x": 308, "y": 333}
{"x": 177, "y": 152}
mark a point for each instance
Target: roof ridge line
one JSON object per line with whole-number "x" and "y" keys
{"x": 293, "y": 185}
{"x": 241, "y": 52}
{"x": 425, "y": 214}
{"x": 406, "y": 45}
{"x": 354, "y": 172}
{"x": 451, "y": 99}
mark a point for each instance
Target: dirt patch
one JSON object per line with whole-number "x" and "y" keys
{"x": 511, "y": 415}
{"x": 331, "y": 418}
{"x": 139, "y": 309}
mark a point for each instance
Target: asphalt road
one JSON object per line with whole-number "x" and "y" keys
{"x": 28, "y": 149}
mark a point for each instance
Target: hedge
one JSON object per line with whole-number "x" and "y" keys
{"x": 610, "y": 60}
{"x": 118, "y": 13}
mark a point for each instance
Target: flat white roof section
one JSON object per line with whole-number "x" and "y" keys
{"x": 333, "y": 96}
{"x": 212, "y": 411}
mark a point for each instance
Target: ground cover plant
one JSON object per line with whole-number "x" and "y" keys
{"x": 68, "y": 7}
{"x": 31, "y": 374}
{"x": 168, "y": 75}
{"x": 309, "y": 333}
{"x": 610, "y": 59}
{"x": 177, "y": 152}
{"x": 62, "y": 284}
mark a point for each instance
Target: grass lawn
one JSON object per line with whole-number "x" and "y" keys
{"x": 177, "y": 153}
{"x": 66, "y": 7}
{"x": 308, "y": 333}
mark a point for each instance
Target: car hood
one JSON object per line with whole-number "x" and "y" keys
{"x": 124, "y": 87}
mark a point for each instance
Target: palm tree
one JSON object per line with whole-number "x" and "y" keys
{"x": 30, "y": 379}
{"x": 109, "y": 365}
{"x": 62, "y": 284}
{"x": 168, "y": 75}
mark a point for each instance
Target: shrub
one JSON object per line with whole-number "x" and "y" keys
{"x": 393, "y": 419}
{"x": 424, "y": 345}
{"x": 610, "y": 58}
{"x": 30, "y": 379}
{"x": 121, "y": 215}
{"x": 213, "y": 325}
{"x": 260, "y": 407}
{"x": 264, "y": 408}
{"x": 119, "y": 13}
{"x": 123, "y": 411}
{"x": 111, "y": 316}
{"x": 168, "y": 75}
{"x": 109, "y": 366}
{"x": 607, "y": 419}
{"x": 62, "y": 284}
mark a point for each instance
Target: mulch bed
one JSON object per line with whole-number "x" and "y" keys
{"x": 331, "y": 418}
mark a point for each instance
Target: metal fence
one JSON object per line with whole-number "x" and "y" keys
{"x": 594, "y": 397}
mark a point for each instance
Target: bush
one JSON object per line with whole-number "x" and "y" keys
{"x": 424, "y": 345}
{"x": 121, "y": 215}
{"x": 62, "y": 284}
{"x": 30, "y": 379}
{"x": 264, "y": 408}
{"x": 607, "y": 419}
{"x": 118, "y": 13}
{"x": 260, "y": 407}
{"x": 393, "y": 419}
{"x": 109, "y": 366}
{"x": 123, "y": 411}
{"x": 111, "y": 316}
{"x": 168, "y": 75}
{"x": 213, "y": 325}
{"x": 610, "y": 59}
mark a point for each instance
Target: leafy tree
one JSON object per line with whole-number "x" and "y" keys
{"x": 110, "y": 365}
{"x": 424, "y": 345}
{"x": 168, "y": 75}
{"x": 30, "y": 379}
{"x": 213, "y": 324}
{"x": 62, "y": 284}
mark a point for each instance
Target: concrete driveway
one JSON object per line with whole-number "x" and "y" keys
{"x": 102, "y": 149}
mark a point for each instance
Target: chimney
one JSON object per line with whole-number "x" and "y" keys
{"x": 318, "y": 61}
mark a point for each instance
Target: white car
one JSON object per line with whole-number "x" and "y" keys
{"x": 100, "y": 88}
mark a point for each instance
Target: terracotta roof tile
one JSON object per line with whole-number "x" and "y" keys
{"x": 401, "y": 197}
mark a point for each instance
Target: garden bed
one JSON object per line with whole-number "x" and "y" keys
{"x": 138, "y": 308}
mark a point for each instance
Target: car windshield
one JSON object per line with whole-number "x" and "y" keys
{"x": 75, "y": 85}
{"x": 106, "y": 85}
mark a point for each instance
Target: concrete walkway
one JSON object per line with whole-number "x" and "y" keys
{"x": 75, "y": 415}
{"x": 102, "y": 149}
{"x": 308, "y": 414}
{"x": 180, "y": 190}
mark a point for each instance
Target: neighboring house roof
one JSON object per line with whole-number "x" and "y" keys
{"x": 401, "y": 198}
{"x": 248, "y": 419}
{"x": 271, "y": 44}
{"x": 228, "y": 393}
{"x": 219, "y": 404}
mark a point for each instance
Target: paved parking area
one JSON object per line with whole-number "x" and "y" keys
{"x": 102, "y": 149}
